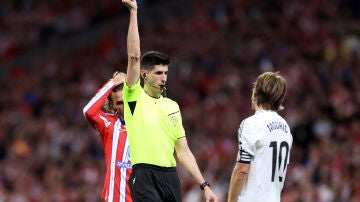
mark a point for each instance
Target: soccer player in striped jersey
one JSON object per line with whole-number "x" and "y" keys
{"x": 105, "y": 112}
{"x": 264, "y": 145}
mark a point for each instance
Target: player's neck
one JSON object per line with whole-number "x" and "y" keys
{"x": 261, "y": 108}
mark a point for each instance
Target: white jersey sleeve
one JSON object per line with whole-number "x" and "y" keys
{"x": 247, "y": 142}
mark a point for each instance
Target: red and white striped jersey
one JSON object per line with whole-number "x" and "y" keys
{"x": 113, "y": 135}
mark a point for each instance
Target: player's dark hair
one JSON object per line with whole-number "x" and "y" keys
{"x": 152, "y": 58}
{"x": 269, "y": 90}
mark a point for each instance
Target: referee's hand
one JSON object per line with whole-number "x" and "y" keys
{"x": 209, "y": 195}
{"x": 130, "y": 4}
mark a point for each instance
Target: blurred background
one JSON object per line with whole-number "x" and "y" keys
{"x": 55, "y": 54}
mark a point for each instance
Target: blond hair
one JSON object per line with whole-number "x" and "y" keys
{"x": 109, "y": 103}
{"x": 269, "y": 90}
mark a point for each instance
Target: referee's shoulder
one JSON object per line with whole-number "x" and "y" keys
{"x": 167, "y": 99}
{"x": 170, "y": 102}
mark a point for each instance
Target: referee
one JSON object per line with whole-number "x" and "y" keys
{"x": 154, "y": 126}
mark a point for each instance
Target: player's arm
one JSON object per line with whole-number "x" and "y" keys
{"x": 188, "y": 160}
{"x": 133, "y": 44}
{"x": 94, "y": 107}
{"x": 238, "y": 178}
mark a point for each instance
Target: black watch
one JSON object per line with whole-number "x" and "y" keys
{"x": 203, "y": 185}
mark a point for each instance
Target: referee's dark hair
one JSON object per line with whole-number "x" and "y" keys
{"x": 152, "y": 58}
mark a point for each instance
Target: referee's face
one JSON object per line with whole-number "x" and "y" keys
{"x": 159, "y": 74}
{"x": 118, "y": 102}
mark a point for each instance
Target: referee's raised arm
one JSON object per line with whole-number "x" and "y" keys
{"x": 133, "y": 44}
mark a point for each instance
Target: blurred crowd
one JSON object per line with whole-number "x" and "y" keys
{"x": 55, "y": 54}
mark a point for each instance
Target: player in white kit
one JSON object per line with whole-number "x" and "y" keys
{"x": 264, "y": 145}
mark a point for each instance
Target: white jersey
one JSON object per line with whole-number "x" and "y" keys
{"x": 264, "y": 141}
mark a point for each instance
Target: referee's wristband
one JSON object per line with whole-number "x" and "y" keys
{"x": 203, "y": 185}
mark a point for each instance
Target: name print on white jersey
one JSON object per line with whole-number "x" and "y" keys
{"x": 276, "y": 125}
